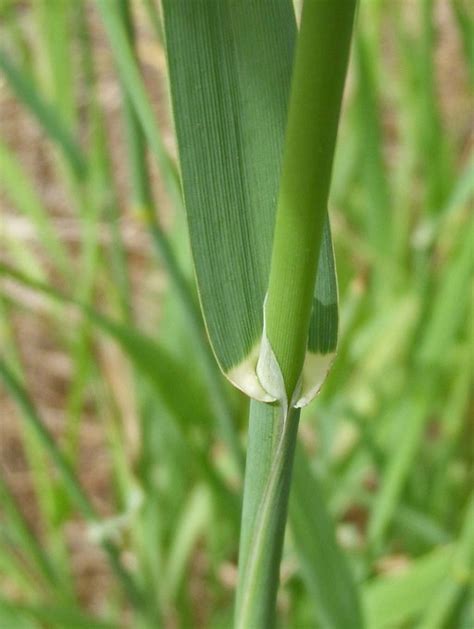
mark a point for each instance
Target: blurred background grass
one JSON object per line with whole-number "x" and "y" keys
{"x": 125, "y": 511}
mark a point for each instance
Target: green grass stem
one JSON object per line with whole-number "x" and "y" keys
{"x": 272, "y": 438}
{"x": 318, "y": 80}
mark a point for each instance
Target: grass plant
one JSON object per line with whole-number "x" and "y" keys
{"x": 129, "y": 127}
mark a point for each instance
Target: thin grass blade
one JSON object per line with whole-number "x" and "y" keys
{"x": 45, "y": 114}
{"x": 17, "y": 186}
{"x": 25, "y": 537}
{"x": 133, "y": 82}
{"x": 327, "y": 575}
{"x": 394, "y": 601}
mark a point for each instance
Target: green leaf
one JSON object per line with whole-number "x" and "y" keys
{"x": 397, "y": 469}
{"x": 324, "y": 566}
{"x": 377, "y": 211}
{"x": 27, "y": 92}
{"x": 392, "y": 601}
{"x": 10, "y": 616}
{"x": 230, "y": 68}
{"x": 457, "y": 579}
{"x": 134, "y": 85}
{"x": 141, "y": 128}
{"x": 23, "y": 615}
{"x": 18, "y": 187}
{"x": 25, "y": 538}
{"x": 191, "y": 524}
{"x": 448, "y": 307}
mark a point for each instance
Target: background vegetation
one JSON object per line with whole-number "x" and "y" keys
{"x": 120, "y": 484}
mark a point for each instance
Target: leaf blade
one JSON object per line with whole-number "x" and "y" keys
{"x": 230, "y": 108}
